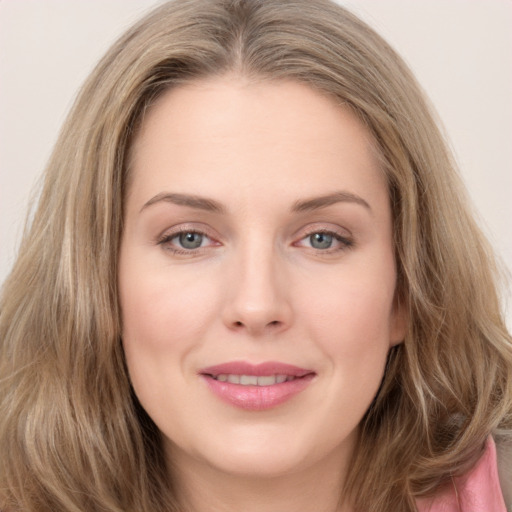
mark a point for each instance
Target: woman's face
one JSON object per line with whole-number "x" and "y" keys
{"x": 256, "y": 275}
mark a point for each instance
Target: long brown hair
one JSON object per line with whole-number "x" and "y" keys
{"x": 72, "y": 435}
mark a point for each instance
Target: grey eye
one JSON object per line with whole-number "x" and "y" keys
{"x": 190, "y": 240}
{"x": 320, "y": 240}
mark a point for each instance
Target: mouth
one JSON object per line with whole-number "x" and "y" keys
{"x": 256, "y": 387}
{"x": 253, "y": 380}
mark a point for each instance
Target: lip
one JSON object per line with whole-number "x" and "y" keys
{"x": 254, "y": 397}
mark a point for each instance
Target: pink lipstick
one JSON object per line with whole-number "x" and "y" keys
{"x": 256, "y": 387}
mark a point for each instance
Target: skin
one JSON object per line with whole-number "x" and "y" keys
{"x": 259, "y": 288}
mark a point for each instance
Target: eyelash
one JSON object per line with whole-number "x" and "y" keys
{"x": 344, "y": 242}
{"x": 165, "y": 240}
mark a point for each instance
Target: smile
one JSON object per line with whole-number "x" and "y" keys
{"x": 253, "y": 380}
{"x": 256, "y": 387}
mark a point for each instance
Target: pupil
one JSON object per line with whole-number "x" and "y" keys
{"x": 321, "y": 240}
{"x": 191, "y": 240}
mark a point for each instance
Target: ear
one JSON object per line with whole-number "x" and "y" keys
{"x": 399, "y": 321}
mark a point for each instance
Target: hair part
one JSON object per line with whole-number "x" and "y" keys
{"x": 72, "y": 434}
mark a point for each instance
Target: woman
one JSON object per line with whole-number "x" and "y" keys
{"x": 252, "y": 282}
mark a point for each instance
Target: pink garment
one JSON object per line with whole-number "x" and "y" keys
{"x": 477, "y": 491}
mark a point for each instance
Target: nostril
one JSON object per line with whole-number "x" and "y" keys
{"x": 272, "y": 324}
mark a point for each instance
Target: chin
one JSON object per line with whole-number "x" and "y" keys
{"x": 268, "y": 452}
{"x": 260, "y": 464}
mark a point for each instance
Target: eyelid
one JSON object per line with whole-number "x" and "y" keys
{"x": 342, "y": 236}
{"x": 344, "y": 239}
{"x": 166, "y": 236}
{"x": 323, "y": 227}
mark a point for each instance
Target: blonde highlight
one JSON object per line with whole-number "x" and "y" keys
{"x": 72, "y": 434}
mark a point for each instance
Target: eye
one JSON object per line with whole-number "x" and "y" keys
{"x": 321, "y": 240}
{"x": 186, "y": 242}
{"x": 325, "y": 241}
{"x": 190, "y": 240}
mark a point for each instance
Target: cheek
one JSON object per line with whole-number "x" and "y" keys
{"x": 164, "y": 318}
{"x": 352, "y": 319}
{"x": 162, "y": 309}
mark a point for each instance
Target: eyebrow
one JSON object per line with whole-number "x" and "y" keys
{"x": 198, "y": 202}
{"x": 210, "y": 205}
{"x": 317, "y": 203}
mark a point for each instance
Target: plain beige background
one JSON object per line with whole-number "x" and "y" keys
{"x": 460, "y": 50}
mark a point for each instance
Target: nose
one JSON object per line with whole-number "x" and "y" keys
{"x": 257, "y": 297}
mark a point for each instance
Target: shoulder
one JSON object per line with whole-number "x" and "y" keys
{"x": 504, "y": 459}
{"x": 479, "y": 490}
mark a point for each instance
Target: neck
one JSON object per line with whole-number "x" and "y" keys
{"x": 202, "y": 488}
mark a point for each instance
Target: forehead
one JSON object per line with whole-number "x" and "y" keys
{"x": 228, "y": 132}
